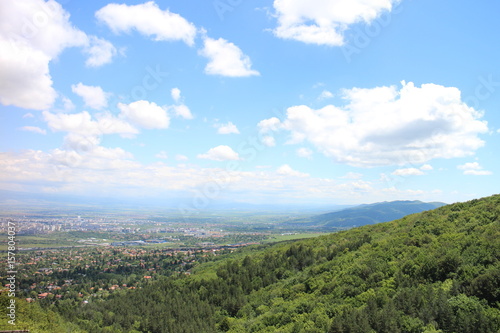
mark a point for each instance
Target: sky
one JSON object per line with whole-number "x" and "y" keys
{"x": 261, "y": 102}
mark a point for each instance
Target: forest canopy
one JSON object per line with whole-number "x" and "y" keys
{"x": 436, "y": 271}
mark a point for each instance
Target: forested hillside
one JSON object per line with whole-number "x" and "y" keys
{"x": 436, "y": 271}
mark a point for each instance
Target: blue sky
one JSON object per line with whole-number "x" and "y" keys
{"x": 285, "y": 101}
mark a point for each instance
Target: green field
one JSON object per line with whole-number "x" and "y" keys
{"x": 281, "y": 238}
{"x": 43, "y": 241}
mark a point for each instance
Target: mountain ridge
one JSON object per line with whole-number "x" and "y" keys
{"x": 366, "y": 214}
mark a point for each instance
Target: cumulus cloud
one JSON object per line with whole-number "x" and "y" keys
{"x": 25, "y": 82}
{"x": 67, "y": 104}
{"x": 387, "y": 126}
{"x": 220, "y": 153}
{"x": 325, "y": 94}
{"x": 80, "y": 142}
{"x": 33, "y": 33}
{"x": 180, "y": 109}
{"x": 287, "y": 170}
{"x": 83, "y": 124}
{"x": 115, "y": 171}
{"x": 100, "y": 52}
{"x": 266, "y": 127}
{"x": 226, "y": 59}
{"x": 180, "y": 157}
{"x": 304, "y": 152}
{"x": 269, "y": 125}
{"x": 413, "y": 171}
{"x": 228, "y": 128}
{"x": 426, "y": 167}
{"x": 97, "y": 158}
{"x": 353, "y": 175}
{"x": 34, "y": 129}
{"x": 324, "y": 22}
{"x": 176, "y": 94}
{"x": 93, "y": 96}
{"x": 149, "y": 20}
{"x": 145, "y": 114}
{"x": 163, "y": 155}
{"x": 268, "y": 141}
{"x": 408, "y": 172}
{"x": 474, "y": 169}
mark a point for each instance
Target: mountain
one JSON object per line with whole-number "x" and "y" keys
{"x": 366, "y": 214}
{"x": 430, "y": 272}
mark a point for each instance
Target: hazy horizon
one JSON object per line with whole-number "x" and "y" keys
{"x": 270, "y": 102}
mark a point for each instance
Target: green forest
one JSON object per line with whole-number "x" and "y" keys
{"x": 436, "y": 271}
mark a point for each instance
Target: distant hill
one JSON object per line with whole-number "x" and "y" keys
{"x": 367, "y": 214}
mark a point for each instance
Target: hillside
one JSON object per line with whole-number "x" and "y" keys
{"x": 367, "y": 214}
{"x": 436, "y": 271}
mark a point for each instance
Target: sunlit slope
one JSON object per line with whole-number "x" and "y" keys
{"x": 436, "y": 271}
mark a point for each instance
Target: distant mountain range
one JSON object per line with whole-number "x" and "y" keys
{"x": 365, "y": 214}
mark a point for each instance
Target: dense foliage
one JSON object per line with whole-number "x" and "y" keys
{"x": 436, "y": 271}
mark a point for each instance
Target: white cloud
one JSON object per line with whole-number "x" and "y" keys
{"x": 353, "y": 175}
{"x": 478, "y": 172}
{"x": 149, "y": 20}
{"x": 413, "y": 171}
{"x": 220, "y": 153}
{"x": 43, "y": 26}
{"x": 323, "y": 22}
{"x": 163, "y": 155}
{"x": 113, "y": 171}
{"x": 384, "y": 126}
{"x": 24, "y": 77}
{"x": 304, "y": 152}
{"x": 268, "y": 125}
{"x": 34, "y": 129}
{"x": 408, "y": 172}
{"x": 426, "y": 167}
{"x": 474, "y": 169}
{"x": 83, "y": 124}
{"x": 180, "y": 157}
{"x": 325, "y": 94}
{"x": 33, "y": 33}
{"x": 470, "y": 166}
{"x": 93, "y": 96}
{"x": 145, "y": 114}
{"x": 28, "y": 115}
{"x": 182, "y": 111}
{"x": 268, "y": 141}
{"x": 67, "y": 104}
{"x": 82, "y": 143}
{"x": 226, "y": 59}
{"x": 96, "y": 158}
{"x": 100, "y": 52}
{"x": 176, "y": 94}
{"x": 287, "y": 170}
{"x": 228, "y": 128}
